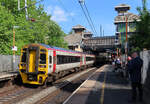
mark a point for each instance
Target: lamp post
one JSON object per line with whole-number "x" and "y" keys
{"x": 18, "y": 5}
{"x": 126, "y": 42}
{"x": 14, "y": 48}
{"x": 26, "y": 10}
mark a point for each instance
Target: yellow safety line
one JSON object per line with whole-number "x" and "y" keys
{"x": 103, "y": 87}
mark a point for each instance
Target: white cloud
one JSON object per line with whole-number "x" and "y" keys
{"x": 72, "y": 14}
{"x": 58, "y": 14}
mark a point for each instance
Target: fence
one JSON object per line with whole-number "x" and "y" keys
{"x": 6, "y": 63}
{"x": 145, "y": 55}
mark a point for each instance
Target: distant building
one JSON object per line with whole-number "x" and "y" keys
{"x": 74, "y": 40}
{"x": 120, "y": 22}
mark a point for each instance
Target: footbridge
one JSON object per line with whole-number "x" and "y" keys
{"x": 100, "y": 44}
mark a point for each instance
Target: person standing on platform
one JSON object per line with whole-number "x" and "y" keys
{"x": 127, "y": 67}
{"x": 134, "y": 69}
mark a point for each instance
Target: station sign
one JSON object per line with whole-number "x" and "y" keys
{"x": 14, "y": 48}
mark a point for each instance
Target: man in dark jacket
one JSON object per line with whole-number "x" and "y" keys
{"x": 134, "y": 69}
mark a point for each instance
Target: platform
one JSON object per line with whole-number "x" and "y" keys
{"x": 7, "y": 75}
{"x": 102, "y": 87}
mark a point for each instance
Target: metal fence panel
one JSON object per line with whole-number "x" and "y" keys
{"x": 6, "y": 63}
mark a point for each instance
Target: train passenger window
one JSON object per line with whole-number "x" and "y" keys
{"x": 23, "y": 59}
{"x": 50, "y": 59}
{"x": 61, "y": 59}
{"x": 42, "y": 58}
{"x": 78, "y": 59}
{"x": 89, "y": 58}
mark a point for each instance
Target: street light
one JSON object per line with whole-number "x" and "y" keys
{"x": 14, "y": 48}
{"x": 126, "y": 42}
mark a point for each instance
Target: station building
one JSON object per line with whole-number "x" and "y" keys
{"x": 75, "y": 39}
{"x": 120, "y": 21}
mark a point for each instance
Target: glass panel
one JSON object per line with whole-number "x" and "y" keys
{"x": 42, "y": 58}
{"x": 23, "y": 59}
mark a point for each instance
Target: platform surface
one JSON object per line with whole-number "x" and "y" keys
{"x": 102, "y": 87}
{"x": 7, "y": 75}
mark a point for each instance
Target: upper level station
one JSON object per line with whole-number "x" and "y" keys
{"x": 81, "y": 40}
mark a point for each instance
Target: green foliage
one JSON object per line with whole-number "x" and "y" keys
{"x": 142, "y": 38}
{"x": 6, "y": 24}
{"x": 42, "y": 30}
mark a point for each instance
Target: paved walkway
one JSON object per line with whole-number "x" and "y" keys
{"x": 102, "y": 87}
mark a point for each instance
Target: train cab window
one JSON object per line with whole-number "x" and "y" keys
{"x": 42, "y": 58}
{"x": 24, "y": 49}
{"x": 43, "y": 50}
{"x": 50, "y": 59}
{"x": 23, "y": 59}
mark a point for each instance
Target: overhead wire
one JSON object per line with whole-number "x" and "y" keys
{"x": 86, "y": 16}
{"x": 90, "y": 18}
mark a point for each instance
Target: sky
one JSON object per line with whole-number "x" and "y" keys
{"x": 68, "y": 13}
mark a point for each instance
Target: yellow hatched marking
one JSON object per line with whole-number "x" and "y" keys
{"x": 103, "y": 89}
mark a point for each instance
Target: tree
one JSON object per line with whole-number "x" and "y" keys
{"x": 6, "y": 24}
{"x": 142, "y": 38}
{"x": 39, "y": 28}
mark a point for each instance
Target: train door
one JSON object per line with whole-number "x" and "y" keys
{"x": 32, "y": 59}
{"x": 54, "y": 61}
{"x": 32, "y": 55}
{"x": 50, "y": 64}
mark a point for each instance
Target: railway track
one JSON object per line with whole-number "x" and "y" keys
{"x": 33, "y": 95}
{"x": 16, "y": 94}
{"x": 58, "y": 93}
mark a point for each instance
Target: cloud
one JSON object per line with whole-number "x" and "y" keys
{"x": 72, "y": 14}
{"x": 58, "y": 14}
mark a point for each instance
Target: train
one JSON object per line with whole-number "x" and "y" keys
{"x": 41, "y": 63}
